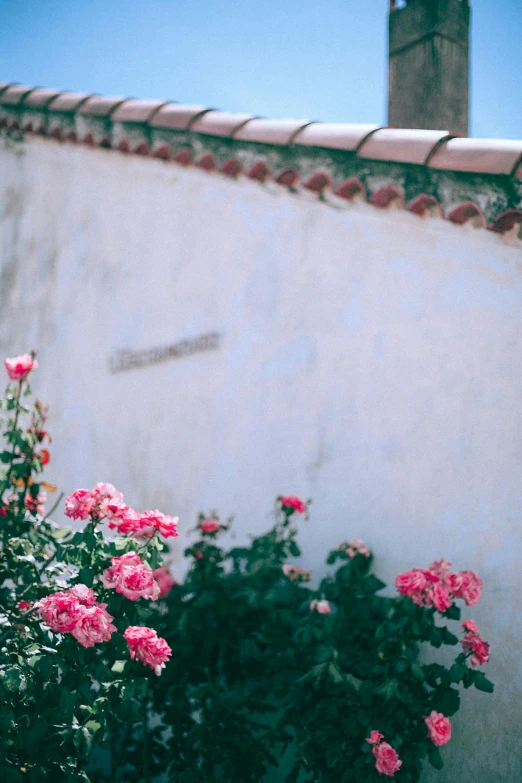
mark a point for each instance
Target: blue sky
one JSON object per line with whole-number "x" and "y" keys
{"x": 316, "y": 59}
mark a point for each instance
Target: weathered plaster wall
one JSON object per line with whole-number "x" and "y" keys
{"x": 370, "y": 359}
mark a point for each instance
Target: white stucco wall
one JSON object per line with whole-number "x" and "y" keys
{"x": 370, "y": 359}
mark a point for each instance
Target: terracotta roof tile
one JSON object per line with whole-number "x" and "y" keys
{"x": 219, "y": 123}
{"x": 40, "y": 98}
{"x": 490, "y": 156}
{"x": 177, "y": 116}
{"x": 270, "y": 131}
{"x": 136, "y": 111}
{"x": 69, "y": 101}
{"x": 401, "y": 145}
{"x": 100, "y": 105}
{"x": 333, "y": 135}
{"x": 14, "y": 95}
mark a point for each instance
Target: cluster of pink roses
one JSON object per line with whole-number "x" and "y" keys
{"x": 474, "y": 644}
{"x": 291, "y": 503}
{"x": 106, "y": 502}
{"x": 76, "y": 611}
{"x": 387, "y": 761}
{"x": 19, "y": 366}
{"x": 436, "y": 586}
{"x": 296, "y": 573}
{"x": 355, "y": 547}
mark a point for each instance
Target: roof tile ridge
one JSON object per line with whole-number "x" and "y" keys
{"x": 240, "y": 127}
{"x": 365, "y": 138}
{"x": 441, "y": 142}
{"x": 296, "y": 133}
{"x": 197, "y": 117}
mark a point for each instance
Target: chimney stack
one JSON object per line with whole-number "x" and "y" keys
{"x": 429, "y": 65}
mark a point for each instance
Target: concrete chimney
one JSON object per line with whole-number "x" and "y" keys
{"x": 429, "y": 65}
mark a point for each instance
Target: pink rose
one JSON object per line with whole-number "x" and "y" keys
{"x": 386, "y": 759}
{"x": 294, "y": 503}
{"x": 466, "y": 585}
{"x": 411, "y": 582}
{"x": 93, "y": 626}
{"x": 150, "y": 521}
{"x": 108, "y": 499}
{"x": 61, "y": 611}
{"x": 165, "y": 580}
{"x": 322, "y": 607}
{"x": 438, "y": 596}
{"x": 375, "y": 737}
{"x": 125, "y": 520}
{"x": 80, "y": 504}
{"x": 469, "y": 625}
{"x": 439, "y": 728}
{"x": 20, "y": 366}
{"x": 441, "y": 568}
{"x": 146, "y": 646}
{"x": 209, "y": 526}
{"x": 131, "y": 577}
{"x": 23, "y": 605}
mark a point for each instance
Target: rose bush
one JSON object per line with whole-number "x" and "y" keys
{"x": 265, "y": 664}
{"x": 75, "y": 657}
{"x": 333, "y": 675}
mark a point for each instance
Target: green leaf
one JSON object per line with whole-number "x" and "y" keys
{"x": 417, "y": 672}
{"x": 483, "y": 684}
{"x": 60, "y": 532}
{"x": 453, "y": 613}
{"x": 371, "y": 584}
{"x": 448, "y": 637}
{"x": 447, "y": 701}
{"x": 13, "y": 679}
{"x": 86, "y": 576}
{"x": 435, "y": 758}
{"x": 335, "y": 675}
{"x": 118, "y": 666}
{"x": 457, "y": 672}
{"x": 83, "y": 741}
{"x": 388, "y": 689}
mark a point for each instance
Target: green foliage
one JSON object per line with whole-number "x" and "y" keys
{"x": 257, "y": 673}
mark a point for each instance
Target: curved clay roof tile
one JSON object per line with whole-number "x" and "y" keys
{"x": 488, "y": 156}
{"x": 281, "y": 132}
{"x": 334, "y": 135}
{"x": 401, "y": 145}
{"x": 219, "y": 123}
{"x": 177, "y": 116}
